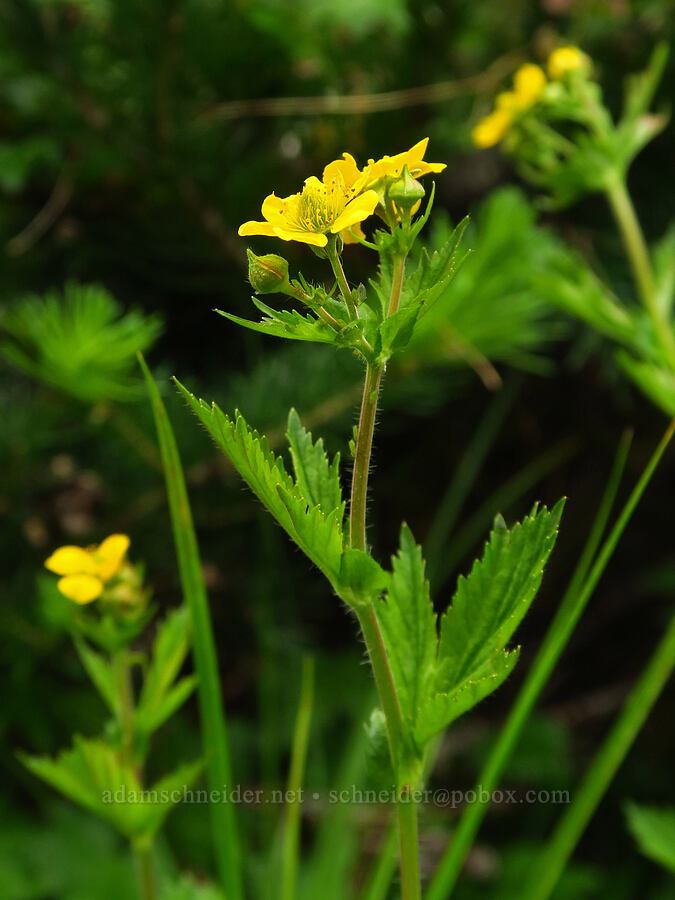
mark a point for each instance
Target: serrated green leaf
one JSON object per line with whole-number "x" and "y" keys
{"x": 487, "y": 607}
{"x": 408, "y": 624}
{"x": 286, "y": 324}
{"x": 318, "y": 535}
{"x": 100, "y": 671}
{"x": 396, "y": 330}
{"x": 491, "y": 601}
{"x": 654, "y": 830}
{"x": 317, "y": 479}
{"x": 441, "y": 709}
{"x": 434, "y": 273}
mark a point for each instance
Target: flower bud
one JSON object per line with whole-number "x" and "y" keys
{"x": 268, "y": 274}
{"x": 406, "y": 191}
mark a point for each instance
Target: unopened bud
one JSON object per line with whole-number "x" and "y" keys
{"x": 406, "y": 191}
{"x": 268, "y": 274}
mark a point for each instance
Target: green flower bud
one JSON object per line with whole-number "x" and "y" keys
{"x": 406, "y": 191}
{"x": 268, "y": 274}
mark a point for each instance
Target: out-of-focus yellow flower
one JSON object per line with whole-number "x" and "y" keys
{"x": 508, "y": 101}
{"x": 392, "y": 166}
{"x": 566, "y": 59}
{"x": 85, "y": 571}
{"x": 492, "y": 129}
{"x": 331, "y": 206}
{"x": 528, "y": 85}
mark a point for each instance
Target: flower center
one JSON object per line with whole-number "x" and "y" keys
{"x": 320, "y": 203}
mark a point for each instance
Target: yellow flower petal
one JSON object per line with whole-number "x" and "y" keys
{"x": 355, "y": 211}
{"x": 70, "y": 560}
{"x": 249, "y": 229}
{"x": 392, "y": 166}
{"x": 273, "y": 207}
{"x": 81, "y": 588}
{"x": 345, "y": 168}
{"x": 528, "y": 84}
{"x": 303, "y": 237}
{"x": 110, "y": 555}
{"x": 352, "y": 234}
{"x": 507, "y": 100}
{"x": 490, "y": 130}
{"x": 566, "y": 59}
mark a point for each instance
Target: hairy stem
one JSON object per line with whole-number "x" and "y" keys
{"x": 364, "y": 446}
{"x": 407, "y": 814}
{"x": 383, "y": 678}
{"x": 638, "y": 255}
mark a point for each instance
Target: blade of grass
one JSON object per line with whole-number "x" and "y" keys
{"x": 552, "y": 861}
{"x": 465, "y": 474}
{"x": 214, "y": 733}
{"x": 573, "y": 604}
{"x": 291, "y": 834}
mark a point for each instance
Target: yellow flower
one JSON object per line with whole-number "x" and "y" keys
{"x": 392, "y": 166}
{"x": 492, "y": 129}
{"x": 508, "y": 101}
{"x": 528, "y": 85}
{"x": 85, "y": 571}
{"x": 330, "y": 206}
{"x": 566, "y": 59}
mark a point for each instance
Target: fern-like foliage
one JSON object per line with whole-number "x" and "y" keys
{"x": 79, "y": 342}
